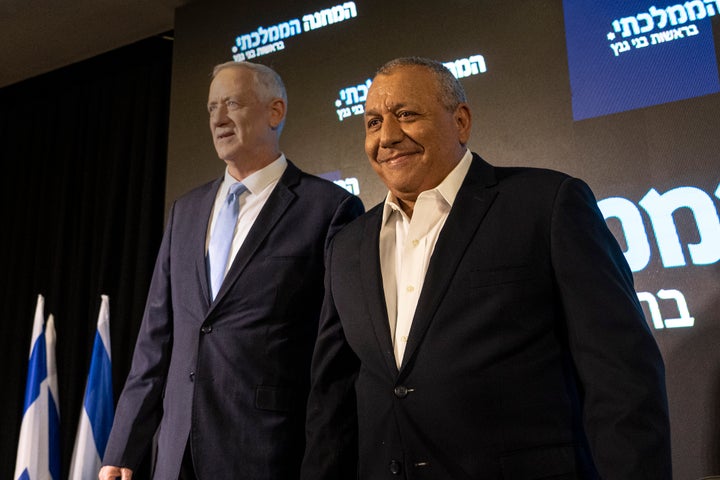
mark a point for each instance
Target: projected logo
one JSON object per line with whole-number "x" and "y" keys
{"x": 350, "y": 99}
{"x": 271, "y": 39}
{"x": 661, "y": 208}
{"x": 625, "y": 55}
{"x": 350, "y": 184}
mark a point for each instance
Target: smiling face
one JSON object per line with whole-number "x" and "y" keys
{"x": 244, "y": 126}
{"x": 413, "y": 141}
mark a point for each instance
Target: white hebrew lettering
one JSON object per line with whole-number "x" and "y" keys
{"x": 243, "y": 41}
{"x": 350, "y": 184}
{"x": 350, "y": 95}
{"x": 352, "y": 11}
{"x": 695, "y": 10}
{"x": 364, "y": 89}
{"x": 269, "y": 36}
{"x": 256, "y": 39}
{"x": 661, "y": 207}
{"x": 284, "y": 29}
{"x": 477, "y": 63}
{"x": 712, "y": 10}
{"x": 620, "y": 47}
{"x": 273, "y": 34}
{"x": 327, "y": 16}
{"x": 631, "y": 222}
{"x": 684, "y": 320}
{"x": 640, "y": 42}
{"x": 628, "y": 25}
{"x": 307, "y": 20}
{"x": 676, "y": 14}
{"x": 655, "y": 12}
{"x": 649, "y": 23}
{"x": 295, "y": 26}
{"x": 263, "y": 35}
{"x": 464, "y": 67}
{"x": 343, "y": 113}
{"x": 649, "y": 298}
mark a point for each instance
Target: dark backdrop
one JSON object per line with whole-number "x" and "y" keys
{"x": 83, "y": 183}
{"x": 635, "y": 126}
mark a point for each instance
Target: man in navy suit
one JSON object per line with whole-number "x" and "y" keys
{"x": 481, "y": 323}
{"x": 220, "y": 371}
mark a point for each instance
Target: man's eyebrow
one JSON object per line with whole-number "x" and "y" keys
{"x": 392, "y": 107}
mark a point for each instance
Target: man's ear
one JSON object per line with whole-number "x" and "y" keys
{"x": 463, "y": 122}
{"x": 277, "y": 112}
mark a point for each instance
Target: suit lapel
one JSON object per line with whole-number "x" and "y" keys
{"x": 279, "y": 201}
{"x": 200, "y": 237}
{"x": 471, "y": 204}
{"x": 371, "y": 281}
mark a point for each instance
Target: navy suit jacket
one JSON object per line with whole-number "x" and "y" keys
{"x": 232, "y": 374}
{"x": 529, "y": 356}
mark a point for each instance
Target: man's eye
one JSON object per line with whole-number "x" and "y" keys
{"x": 405, "y": 114}
{"x": 373, "y": 123}
{"x": 232, "y": 104}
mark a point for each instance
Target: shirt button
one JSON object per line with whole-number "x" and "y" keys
{"x": 206, "y": 329}
{"x": 401, "y": 391}
{"x": 192, "y": 376}
{"x": 395, "y": 467}
{"x": 410, "y": 288}
{"x": 415, "y": 243}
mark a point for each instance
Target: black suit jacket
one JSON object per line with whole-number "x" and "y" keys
{"x": 231, "y": 374}
{"x": 528, "y": 358}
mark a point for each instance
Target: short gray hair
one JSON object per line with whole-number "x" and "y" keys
{"x": 268, "y": 84}
{"x": 452, "y": 93}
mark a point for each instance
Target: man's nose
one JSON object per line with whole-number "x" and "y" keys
{"x": 390, "y": 132}
{"x": 218, "y": 115}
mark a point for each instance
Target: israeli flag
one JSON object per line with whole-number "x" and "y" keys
{"x": 38, "y": 453}
{"x": 96, "y": 415}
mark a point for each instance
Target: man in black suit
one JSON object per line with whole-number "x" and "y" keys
{"x": 481, "y": 323}
{"x": 221, "y": 367}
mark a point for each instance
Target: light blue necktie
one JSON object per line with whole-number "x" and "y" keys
{"x": 222, "y": 236}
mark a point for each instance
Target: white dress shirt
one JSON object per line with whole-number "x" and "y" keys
{"x": 259, "y": 186}
{"x": 406, "y": 245}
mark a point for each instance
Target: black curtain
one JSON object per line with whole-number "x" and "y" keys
{"x": 83, "y": 155}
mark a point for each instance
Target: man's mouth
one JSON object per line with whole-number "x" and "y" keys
{"x": 396, "y": 158}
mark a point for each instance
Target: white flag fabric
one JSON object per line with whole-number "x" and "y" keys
{"x": 38, "y": 453}
{"x": 96, "y": 415}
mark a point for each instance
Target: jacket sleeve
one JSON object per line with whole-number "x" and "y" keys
{"x": 331, "y": 428}
{"x": 617, "y": 359}
{"x": 139, "y": 408}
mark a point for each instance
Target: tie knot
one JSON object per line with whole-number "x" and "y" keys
{"x": 236, "y": 189}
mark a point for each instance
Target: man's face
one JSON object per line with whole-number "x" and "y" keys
{"x": 240, "y": 123}
{"x": 411, "y": 139}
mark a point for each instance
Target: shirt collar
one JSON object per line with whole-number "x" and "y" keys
{"x": 257, "y": 181}
{"x": 447, "y": 189}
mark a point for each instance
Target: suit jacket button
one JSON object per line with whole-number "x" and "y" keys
{"x": 206, "y": 329}
{"x": 401, "y": 391}
{"x": 395, "y": 467}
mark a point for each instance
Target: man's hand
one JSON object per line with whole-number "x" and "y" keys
{"x": 109, "y": 472}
